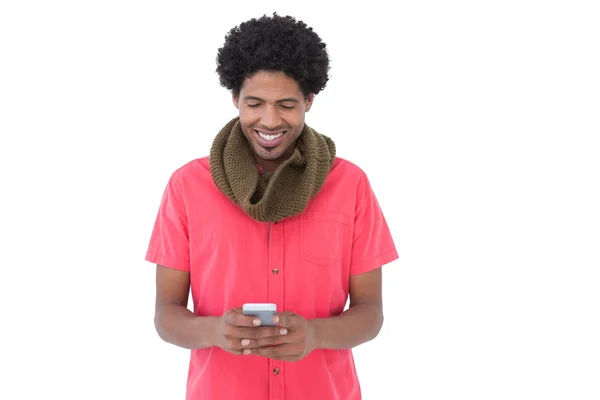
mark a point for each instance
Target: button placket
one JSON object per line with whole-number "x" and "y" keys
{"x": 276, "y": 295}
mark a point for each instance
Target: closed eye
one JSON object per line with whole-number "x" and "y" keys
{"x": 281, "y": 105}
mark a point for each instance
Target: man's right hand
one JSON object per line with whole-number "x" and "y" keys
{"x": 236, "y": 333}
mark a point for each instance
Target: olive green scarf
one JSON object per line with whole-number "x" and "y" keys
{"x": 270, "y": 197}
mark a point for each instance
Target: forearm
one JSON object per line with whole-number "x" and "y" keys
{"x": 359, "y": 324}
{"x": 177, "y": 325}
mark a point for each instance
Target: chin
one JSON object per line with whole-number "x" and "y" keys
{"x": 274, "y": 154}
{"x": 269, "y": 156}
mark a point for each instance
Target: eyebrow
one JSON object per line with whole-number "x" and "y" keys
{"x": 287, "y": 99}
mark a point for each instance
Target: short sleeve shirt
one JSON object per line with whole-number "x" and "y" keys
{"x": 302, "y": 264}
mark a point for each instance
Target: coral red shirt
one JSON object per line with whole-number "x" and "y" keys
{"x": 302, "y": 264}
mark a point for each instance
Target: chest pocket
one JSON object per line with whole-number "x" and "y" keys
{"x": 322, "y": 236}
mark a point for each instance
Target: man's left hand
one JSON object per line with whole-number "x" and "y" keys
{"x": 293, "y": 346}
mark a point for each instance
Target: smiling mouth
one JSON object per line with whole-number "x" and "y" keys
{"x": 269, "y": 139}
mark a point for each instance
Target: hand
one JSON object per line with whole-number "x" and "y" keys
{"x": 294, "y": 346}
{"x": 237, "y": 332}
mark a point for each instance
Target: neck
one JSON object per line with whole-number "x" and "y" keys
{"x": 268, "y": 165}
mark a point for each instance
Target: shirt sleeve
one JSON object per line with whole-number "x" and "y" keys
{"x": 372, "y": 244}
{"x": 169, "y": 242}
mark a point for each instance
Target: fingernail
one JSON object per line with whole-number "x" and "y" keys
{"x": 256, "y": 322}
{"x": 276, "y": 319}
{"x": 283, "y": 331}
{"x": 246, "y": 352}
{"x": 245, "y": 342}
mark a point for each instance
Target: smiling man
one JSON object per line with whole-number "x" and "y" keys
{"x": 271, "y": 216}
{"x": 271, "y": 112}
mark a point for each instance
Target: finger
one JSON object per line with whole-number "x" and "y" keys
{"x": 236, "y": 352}
{"x": 287, "y": 320}
{"x": 282, "y": 350}
{"x": 237, "y": 346}
{"x": 256, "y": 333}
{"x": 265, "y": 342}
{"x": 233, "y": 346}
{"x": 236, "y": 318}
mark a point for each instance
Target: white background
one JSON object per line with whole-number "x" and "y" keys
{"x": 476, "y": 121}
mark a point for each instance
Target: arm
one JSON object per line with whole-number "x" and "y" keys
{"x": 360, "y": 323}
{"x": 177, "y": 325}
{"x": 174, "y": 322}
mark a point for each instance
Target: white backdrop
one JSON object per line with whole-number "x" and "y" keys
{"x": 477, "y": 123}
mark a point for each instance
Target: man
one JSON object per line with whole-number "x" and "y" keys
{"x": 272, "y": 216}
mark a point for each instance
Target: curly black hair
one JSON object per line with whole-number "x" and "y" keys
{"x": 273, "y": 44}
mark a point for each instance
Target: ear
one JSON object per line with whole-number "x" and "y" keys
{"x": 309, "y": 101}
{"x": 236, "y": 100}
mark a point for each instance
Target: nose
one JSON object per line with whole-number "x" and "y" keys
{"x": 271, "y": 119}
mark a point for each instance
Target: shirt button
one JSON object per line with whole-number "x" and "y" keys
{"x": 275, "y": 271}
{"x": 276, "y": 371}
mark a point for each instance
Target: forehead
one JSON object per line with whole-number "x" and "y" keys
{"x": 270, "y": 86}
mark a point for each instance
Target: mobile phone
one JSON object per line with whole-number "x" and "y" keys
{"x": 264, "y": 311}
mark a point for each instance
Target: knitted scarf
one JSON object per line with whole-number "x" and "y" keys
{"x": 270, "y": 197}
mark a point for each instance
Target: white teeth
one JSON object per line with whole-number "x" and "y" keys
{"x": 269, "y": 137}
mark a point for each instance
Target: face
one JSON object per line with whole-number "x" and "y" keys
{"x": 271, "y": 107}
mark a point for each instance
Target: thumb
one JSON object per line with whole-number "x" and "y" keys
{"x": 287, "y": 319}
